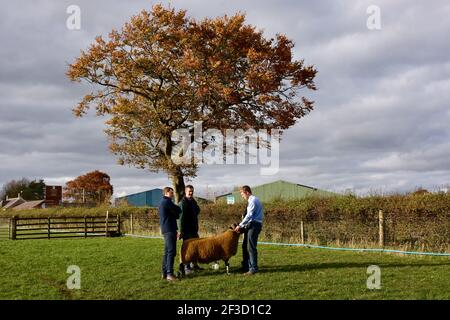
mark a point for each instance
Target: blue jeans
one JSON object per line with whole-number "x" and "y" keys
{"x": 170, "y": 251}
{"x": 249, "y": 252}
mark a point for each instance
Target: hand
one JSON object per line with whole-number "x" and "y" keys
{"x": 179, "y": 235}
{"x": 237, "y": 229}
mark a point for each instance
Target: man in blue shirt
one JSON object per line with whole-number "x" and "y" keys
{"x": 252, "y": 225}
{"x": 168, "y": 215}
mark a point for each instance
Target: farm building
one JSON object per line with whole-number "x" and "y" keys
{"x": 275, "y": 190}
{"x": 149, "y": 198}
{"x": 10, "y": 203}
{"x": 36, "y": 204}
{"x": 20, "y": 204}
{"x": 52, "y": 196}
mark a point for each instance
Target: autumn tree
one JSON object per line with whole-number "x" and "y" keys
{"x": 164, "y": 70}
{"x": 92, "y": 187}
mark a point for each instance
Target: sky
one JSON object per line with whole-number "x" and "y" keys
{"x": 381, "y": 121}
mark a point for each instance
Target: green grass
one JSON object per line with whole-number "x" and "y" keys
{"x": 129, "y": 268}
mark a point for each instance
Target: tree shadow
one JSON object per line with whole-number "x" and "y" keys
{"x": 304, "y": 267}
{"x": 341, "y": 265}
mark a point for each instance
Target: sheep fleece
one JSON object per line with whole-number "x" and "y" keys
{"x": 206, "y": 250}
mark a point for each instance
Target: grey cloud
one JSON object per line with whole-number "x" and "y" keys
{"x": 381, "y": 117}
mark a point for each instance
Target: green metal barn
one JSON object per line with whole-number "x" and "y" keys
{"x": 275, "y": 190}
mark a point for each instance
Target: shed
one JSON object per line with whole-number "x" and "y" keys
{"x": 13, "y": 202}
{"x": 279, "y": 189}
{"x": 149, "y": 198}
{"x": 37, "y": 204}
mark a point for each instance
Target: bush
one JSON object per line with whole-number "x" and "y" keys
{"x": 124, "y": 211}
{"x": 412, "y": 221}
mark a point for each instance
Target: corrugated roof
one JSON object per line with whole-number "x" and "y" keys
{"x": 29, "y": 205}
{"x": 132, "y": 194}
{"x": 13, "y": 202}
{"x": 266, "y": 190}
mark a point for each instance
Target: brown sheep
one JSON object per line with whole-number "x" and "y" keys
{"x": 207, "y": 250}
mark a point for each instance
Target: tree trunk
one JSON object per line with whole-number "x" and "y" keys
{"x": 178, "y": 185}
{"x": 175, "y": 173}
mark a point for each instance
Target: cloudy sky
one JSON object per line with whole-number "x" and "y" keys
{"x": 381, "y": 121}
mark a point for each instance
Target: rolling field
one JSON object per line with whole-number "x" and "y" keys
{"x": 129, "y": 268}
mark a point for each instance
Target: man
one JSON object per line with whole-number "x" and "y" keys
{"x": 188, "y": 223}
{"x": 168, "y": 215}
{"x": 252, "y": 225}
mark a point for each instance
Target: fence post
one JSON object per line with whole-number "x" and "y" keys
{"x": 106, "y": 223}
{"x": 131, "y": 223}
{"x": 302, "y": 232}
{"x": 118, "y": 224}
{"x": 85, "y": 227}
{"x": 13, "y": 228}
{"x": 48, "y": 227}
{"x": 381, "y": 228}
{"x": 394, "y": 227}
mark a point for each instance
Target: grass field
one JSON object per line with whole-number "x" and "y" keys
{"x": 129, "y": 268}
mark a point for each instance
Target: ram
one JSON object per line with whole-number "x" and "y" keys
{"x": 207, "y": 250}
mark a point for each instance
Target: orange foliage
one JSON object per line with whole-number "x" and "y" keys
{"x": 164, "y": 70}
{"x": 92, "y": 187}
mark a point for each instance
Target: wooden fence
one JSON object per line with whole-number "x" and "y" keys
{"x": 4, "y": 229}
{"x": 298, "y": 230}
{"x": 63, "y": 227}
{"x": 143, "y": 224}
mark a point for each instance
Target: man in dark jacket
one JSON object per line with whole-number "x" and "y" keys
{"x": 168, "y": 215}
{"x": 188, "y": 223}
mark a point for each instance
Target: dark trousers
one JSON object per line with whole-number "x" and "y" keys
{"x": 170, "y": 251}
{"x": 249, "y": 251}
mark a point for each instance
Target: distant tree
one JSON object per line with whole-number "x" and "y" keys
{"x": 92, "y": 187}
{"x": 28, "y": 190}
{"x": 163, "y": 71}
{"x": 122, "y": 203}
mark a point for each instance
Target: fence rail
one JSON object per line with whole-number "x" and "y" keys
{"x": 382, "y": 230}
{"x": 4, "y": 229}
{"x": 60, "y": 227}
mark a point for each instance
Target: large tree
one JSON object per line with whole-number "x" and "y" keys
{"x": 92, "y": 187}
{"x": 164, "y": 70}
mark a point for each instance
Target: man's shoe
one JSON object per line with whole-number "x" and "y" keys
{"x": 249, "y": 273}
{"x": 163, "y": 277}
{"x": 189, "y": 271}
{"x": 171, "y": 278}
